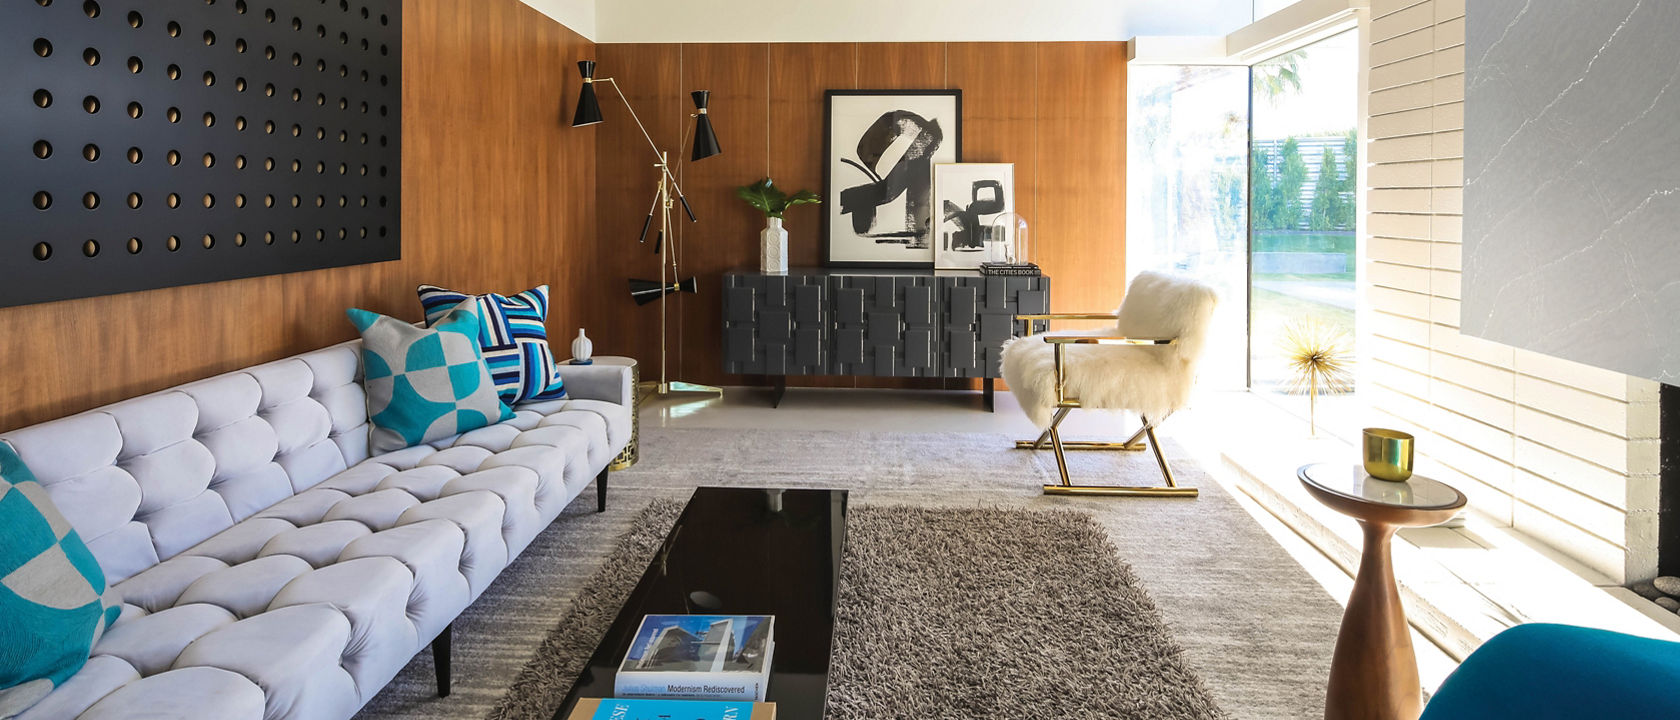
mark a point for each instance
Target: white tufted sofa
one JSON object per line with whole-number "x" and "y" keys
{"x": 268, "y": 567}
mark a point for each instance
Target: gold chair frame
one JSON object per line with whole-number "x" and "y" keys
{"x": 1065, "y": 405}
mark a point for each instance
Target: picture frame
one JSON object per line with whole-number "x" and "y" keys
{"x": 879, "y": 149}
{"x": 967, "y": 198}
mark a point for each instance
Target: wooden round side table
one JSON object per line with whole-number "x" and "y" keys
{"x": 1374, "y": 675}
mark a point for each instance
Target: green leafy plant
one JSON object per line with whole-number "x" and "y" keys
{"x": 770, "y": 200}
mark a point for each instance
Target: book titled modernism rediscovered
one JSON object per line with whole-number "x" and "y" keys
{"x": 699, "y": 657}
{"x": 593, "y": 709}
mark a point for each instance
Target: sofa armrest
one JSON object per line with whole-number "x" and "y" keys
{"x": 611, "y": 383}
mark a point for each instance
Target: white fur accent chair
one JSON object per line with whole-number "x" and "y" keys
{"x": 1146, "y": 363}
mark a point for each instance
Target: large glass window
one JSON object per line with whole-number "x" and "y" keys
{"x": 1187, "y": 205}
{"x": 1303, "y": 168}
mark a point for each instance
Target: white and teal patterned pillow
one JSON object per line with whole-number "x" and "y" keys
{"x": 514, "y": 336}
{"x": 424, "y": 384}
{"x": 54, "y": 604}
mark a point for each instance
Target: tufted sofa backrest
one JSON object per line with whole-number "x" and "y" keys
{"x": 144, "y": 479}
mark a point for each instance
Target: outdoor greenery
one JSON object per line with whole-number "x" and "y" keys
{"x": 1277, "y": 184}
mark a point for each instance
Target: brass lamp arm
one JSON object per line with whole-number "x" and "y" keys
{"x": 651, "y": 144}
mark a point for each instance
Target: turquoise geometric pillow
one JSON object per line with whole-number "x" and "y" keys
{"x": 514, "y": 337}
{"x": 53, "y": 601}
{"x": 424, "y": 384}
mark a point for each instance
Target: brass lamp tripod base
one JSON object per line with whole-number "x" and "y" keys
{"x": 1134, "y": 444}
{"x": 678, "y": 387}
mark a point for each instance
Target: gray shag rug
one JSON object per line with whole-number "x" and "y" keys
{"x": 1254, "y": 625}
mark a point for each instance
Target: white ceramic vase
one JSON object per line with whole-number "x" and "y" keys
{"x": 772, "y": 255}
{"x": 582, "y": 347}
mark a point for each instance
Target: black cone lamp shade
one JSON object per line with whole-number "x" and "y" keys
{"x": 705, "y": 140}
{"x": 588, "y": 107}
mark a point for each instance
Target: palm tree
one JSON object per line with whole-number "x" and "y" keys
{"x": 1280, "y": 75}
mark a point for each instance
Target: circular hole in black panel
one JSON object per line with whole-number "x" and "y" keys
{"x": 174, "y": 158}
{"x": 209, "y": 241}
{"x": 364, "y": 13}
{"x": 268, "y": 52}
{"x": 173, "y": 243}
{"x": 344, "y": 5}
{"x": 269, "y": 14}
{"x": 174, "y": 201}
{"x": 320, "y": 133}
{"x": 383, "y": 111}
{"x": 134, "y": 246}
{"x": 297, "y": 130}
{"x": 364, "y": 43}
{"x": 297, "y": 95}
{"x": 297, "y": 201}
{"x": 383, "y": 20}
{"x": 135, "y": 66}
{"x": 209, "y": 160}
{"x": 239, "y": 162}
{"x": 90, "y": 248}
{"x": 268, "y": 164}
{"x": 174, "y": 29}
{"x": 382, "y": 172}
{"x": 297, "y": 24}
{"x": 320, "y": 31}
{"x": 134, "y": 155}
{"x": 209, "y": 78}
{"x": 296, "y": 236}
{"x": 43, "y": 149}
{"x": 296, "y": 166}
{"x": 320, "y": 167}
{"x": 384, "y": 50}
{"x": 209, "y": 119}
{"x": 343, "y": 136}
{"x": 320, "y": 99}
{"x": 239, "y": 7}
{"x": 343, "y": 201}
{"x": 320, "y": 66}
{"x": 90, "y": 104}
{"x": 297, "y": 60}
{"x": 343, "y": 169}
{"x": 364, "y": 170}
{"x": 42, "y": 251}
{"x": 239, "y": 45}
{"x": 362, "y": 232}
{"x": 90, "y": 152}
{"x": 134, "y": 19}
{"x": 174, "y": 72}
{"x": 384, "y": 80}
{"x": 268, "y": 201}
{"x": 43, "y": 47}
{"x": 364, "y": 138}
{"x": 90, "y": 56}
{"x": 382, "y": 200}
{"x": 364, "y": 76}
{"x": 134, "y": 201}
{"x": 91, "y": 8}
{"x": 320, "y": 234}
{"x": 343, "y": 104}
{"x": 42, "y": 200}
{"x": 383, "y": 141}
{"x": 344, "y": 38}
{"x": 383, "y": 231}
{"x": 239, "y": 200}
{"x": 134, "y": 110}
{"x": 268, "y": 238}
{"x": 43, "y": 3}
{"x": 239, "y": 239}
{"x": 364, "y": 109}
{"x": 364, "y": 201}
{"x": 268, "y": 127}
{"x": 320, "y": 201}
{"x": 343, "y": 71}
{"x": 239, "y": 123}
{"x": 239, "y": 84}
{"x": 43, "y": 98}
{"x": 209, "y": 201}
{"x": 209, "y": 38}
{"x": 174, "y": 114}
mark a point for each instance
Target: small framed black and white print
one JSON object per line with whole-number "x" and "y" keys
{"x": 880, "y": 147}
{"x": 968, "y": 198}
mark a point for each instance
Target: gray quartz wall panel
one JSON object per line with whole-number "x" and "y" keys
{"x": 1572, "y": 181}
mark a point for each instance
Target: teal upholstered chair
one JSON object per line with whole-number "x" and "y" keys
{"x": 1559, "y": 671}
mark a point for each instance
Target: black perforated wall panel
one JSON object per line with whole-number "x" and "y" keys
{"x": 153, "y": 143}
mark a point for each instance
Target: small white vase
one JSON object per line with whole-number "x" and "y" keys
{"x": 772, "y": 256}
{"x": 582, "y": 347}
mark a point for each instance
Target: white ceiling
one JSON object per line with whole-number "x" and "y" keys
{"x": 623, "y": 21}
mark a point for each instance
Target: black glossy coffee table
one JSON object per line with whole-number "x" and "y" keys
{"x": 741, "y": 551}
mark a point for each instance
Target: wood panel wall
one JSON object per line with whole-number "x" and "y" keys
{"x": 498, "y": 194}
{"x": 1056, "y": 110}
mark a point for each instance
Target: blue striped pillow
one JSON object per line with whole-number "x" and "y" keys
{"x": 514, "y": 339}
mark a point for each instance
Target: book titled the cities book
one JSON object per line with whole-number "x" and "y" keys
{"x": 593, "y": 709}
{"x": 699, "y": 657}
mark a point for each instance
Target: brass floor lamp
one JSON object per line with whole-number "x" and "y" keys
{"x": 665, "y": 245}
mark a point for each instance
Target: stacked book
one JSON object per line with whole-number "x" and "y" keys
{"x": 699, "y": 657}
{"x": 594, "y": 709}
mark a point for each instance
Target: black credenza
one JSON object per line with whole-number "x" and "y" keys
{"x": 887, "y": 323}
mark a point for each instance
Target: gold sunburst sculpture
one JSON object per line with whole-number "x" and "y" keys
{"x": 1317, "y": 358}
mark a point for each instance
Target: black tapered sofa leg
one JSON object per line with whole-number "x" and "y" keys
{"x": 440, "y": 658}
{"x": 601, "y": 490}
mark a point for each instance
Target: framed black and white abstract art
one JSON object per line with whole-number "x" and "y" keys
{"x": 967, "y": 198}
{"x": 880, "y": 147}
